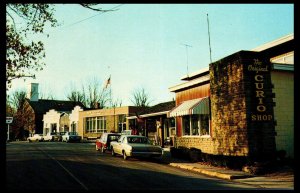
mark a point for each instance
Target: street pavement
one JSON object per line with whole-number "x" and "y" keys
{"x": 283, "y": 179}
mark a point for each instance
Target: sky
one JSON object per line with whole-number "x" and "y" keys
{"x": 144, "y": 45}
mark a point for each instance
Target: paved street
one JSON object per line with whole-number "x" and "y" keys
{"x": 78, "y": 166}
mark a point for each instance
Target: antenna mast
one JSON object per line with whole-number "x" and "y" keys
{"x": 209, "y": 39}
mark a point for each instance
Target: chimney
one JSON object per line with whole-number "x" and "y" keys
{"x": 33, "y": 92}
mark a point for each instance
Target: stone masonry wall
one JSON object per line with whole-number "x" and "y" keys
{"x": 242, "y": 105}
{"x": 228, "y": 106}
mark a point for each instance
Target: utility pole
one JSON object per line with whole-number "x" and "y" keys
{"x": 187, "y": 58}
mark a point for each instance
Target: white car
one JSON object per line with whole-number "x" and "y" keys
{"x": 36, "y": 137}
{"x": 135, "y": 146}
{"x": 49, "y": 136}
{"x": 71, "y": 137}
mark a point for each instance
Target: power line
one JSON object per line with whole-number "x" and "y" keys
{"x": 112, "y": 9}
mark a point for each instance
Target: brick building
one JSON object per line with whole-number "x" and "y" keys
{"x": 241, "y": 106}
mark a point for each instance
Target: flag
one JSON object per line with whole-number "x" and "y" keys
{"x": 138, "y": 118}
{"x": 107, "y": 82}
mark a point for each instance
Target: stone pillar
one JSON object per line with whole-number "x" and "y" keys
{"x": 241, "y": 105}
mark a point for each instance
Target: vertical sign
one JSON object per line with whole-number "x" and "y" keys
{"x": 8, "y": 121}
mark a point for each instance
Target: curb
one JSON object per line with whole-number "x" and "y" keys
{"x": 210, "y": 173}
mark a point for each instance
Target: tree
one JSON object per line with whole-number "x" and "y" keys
{"x": 140, "y": 98}
{"x": 22, "y": 116}
{"x": 91, "y": 95}
{"x": 24, "y": 56}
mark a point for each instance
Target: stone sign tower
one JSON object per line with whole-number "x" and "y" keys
{"x": 242, "y": 106}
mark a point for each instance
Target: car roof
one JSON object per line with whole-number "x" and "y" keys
{"x": 134, "y": 135}
{"x": 111, "y": 133}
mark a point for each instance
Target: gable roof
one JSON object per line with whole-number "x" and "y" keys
{"x": 44, "y": 105}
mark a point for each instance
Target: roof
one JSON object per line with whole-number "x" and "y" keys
{"x": 44, "y": 105}
{"x": 274, "y": 43}
{"x": 161, "y": 107}
{"x": 156, "y": 110}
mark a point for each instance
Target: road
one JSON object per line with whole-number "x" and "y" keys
{"x": 78, "y": 166}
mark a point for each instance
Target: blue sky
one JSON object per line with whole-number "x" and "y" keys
{"x": 141, "y": 45}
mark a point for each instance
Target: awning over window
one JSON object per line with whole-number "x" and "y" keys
{"x": 195, "y": 106}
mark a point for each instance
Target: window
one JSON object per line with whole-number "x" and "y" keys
{"x": 95, "y": 125}
{"x": 186, "y": 125}
{"x": 204, "y": 124}
{"x": 195, "y": 125}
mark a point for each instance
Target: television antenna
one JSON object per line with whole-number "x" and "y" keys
{"x": 187, "y": 58}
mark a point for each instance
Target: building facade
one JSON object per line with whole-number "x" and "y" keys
{"x": 236, "y": 107}
{"x": 92, "y": 123}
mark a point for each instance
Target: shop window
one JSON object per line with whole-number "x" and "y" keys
{"x": 195, "y": 125}
{"x": 95, "y": 125}
{"x": 204, "y": 124}
{"x": 186, "y": 125}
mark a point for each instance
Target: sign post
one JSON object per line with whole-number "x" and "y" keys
{"x": 8, "y": 121}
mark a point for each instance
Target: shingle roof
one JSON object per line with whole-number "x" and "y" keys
{"x": 161, "y": 107}
{"x": 43, "y": 105}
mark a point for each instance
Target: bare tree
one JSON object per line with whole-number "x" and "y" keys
{"x": 140, "y": 98}
{"x": 91, "y": 95}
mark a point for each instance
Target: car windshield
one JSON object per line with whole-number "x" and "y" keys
{"x": 53, "y": 133}
{"x": 72, "y": 133}
{"x": 142, "y": 140}
{"x": 113, "y": 137}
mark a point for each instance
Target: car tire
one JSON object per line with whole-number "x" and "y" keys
{"x": 125, "y": 157}
{"x": 113, "y": 152}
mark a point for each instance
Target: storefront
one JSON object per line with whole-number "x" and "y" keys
{"x": 154, "y": 123}
{"x": 231, "y": 108}
{"x": 92, "y": 123}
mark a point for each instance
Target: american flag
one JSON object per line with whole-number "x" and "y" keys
{"x": 107, "y": 82}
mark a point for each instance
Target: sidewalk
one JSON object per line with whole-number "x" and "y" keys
{"x": 282, "y": 179}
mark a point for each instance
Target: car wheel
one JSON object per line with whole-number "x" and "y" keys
{"x": 102, "y": 149}
{"x": 113, "y": 152}
{"x": 29, "y": 140}
{"x": 125, "y": 157}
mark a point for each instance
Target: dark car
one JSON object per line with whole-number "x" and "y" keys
{"x": 58, "y": 136}
{"x": 103, "y": 143}
{"x": 71, "y": 137}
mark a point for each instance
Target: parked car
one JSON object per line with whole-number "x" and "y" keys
{"x": 126, "y": 132}
{"x": 35, "y": 137}
{"x": 49, "y": 136}
{"x": 58, "y": 136}
{"x": 71, "y": 137}
{"x": 103, "y": 143}
{"x": 135, "y": 146}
